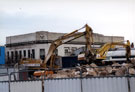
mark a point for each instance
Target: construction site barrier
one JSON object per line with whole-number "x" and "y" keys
{"x": 62, "y": 85}
{"x": 79, "y": 84}
{"x": 26, "y": 86}
{"x": 4, "y": 77}
{"x": 110, "y": 84}
{"x": 4, "y": 86}
{"x": 132, "y": 84}
{"x": 98, "y": 84}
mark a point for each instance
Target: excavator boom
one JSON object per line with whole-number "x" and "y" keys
{"x": 88, "y": 33}
{"x": 101, "y": 53}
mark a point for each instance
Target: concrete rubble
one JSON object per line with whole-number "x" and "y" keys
{"x": 93, "y": 70}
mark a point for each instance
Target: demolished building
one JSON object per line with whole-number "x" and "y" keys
{"x": 36, "y": 45}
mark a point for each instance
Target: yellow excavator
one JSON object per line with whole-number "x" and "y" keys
{"x": 49, "y": 61}
{"x": 29, "y": 62}
{"x": 89, "y": 54}
{"x": 101, "y": 53}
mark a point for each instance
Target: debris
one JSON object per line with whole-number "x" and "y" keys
{"x": 133, "y": 61}
{"x": 121, "y": 71}
{"x": 103, "y": 73}
{"x": 93, "y": 70}
{"x": 93, "y": 65}
{"x": 109, "y": 69}
{"x": 127, "y": 65}
{"x": 132, "y": 71}
{"x": 115, "y": 64}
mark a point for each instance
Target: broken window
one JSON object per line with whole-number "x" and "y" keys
{"x": 7, "y": 55}
{"x": 12, "y": 55}
{"x": 67, "y": 51}
{"x": 42, "y": 54}
{"x": 56, "y": 52}
{"x": 33, "y": 53}
{"x": 16, "y": 56}
{"x": 24, "y": 53}
{"x": 20, "y": 54}
{"x": 28, "y": 53}
{"x": 73, "y": 49}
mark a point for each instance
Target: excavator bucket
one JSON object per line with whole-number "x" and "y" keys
{"x": 42, "y": 73}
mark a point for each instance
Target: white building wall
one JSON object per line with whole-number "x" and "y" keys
{"x": 21, "y": 48}
{"x": 61, "y": 49}
{"x": 37, "y": 47}
{"x": 33, "y": 41}
{"x": 41, "y": 46}
{"x": 21, "y": 38}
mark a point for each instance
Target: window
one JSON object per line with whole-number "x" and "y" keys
{"x": 12, "y": 55}
{"x": 20, "y": 54}
{"x": 42, "y": 54}
{"x": 33, "y": 53}
{"x": 56, "y": 52}
{"x": 24, "y": 53}
{"x": 8, "y": 55}
{"x": 67, "y": 51}
{"x": 28, "y": 53}
{"x": 16, "y": 55}
{"x": 73, "y": 49}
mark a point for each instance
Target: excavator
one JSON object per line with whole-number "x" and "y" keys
{"x": 88, "y": 33}
{"x": 49, "y": 61}
{"x": 101, "y": 53}
{"x": 89, "y": 55}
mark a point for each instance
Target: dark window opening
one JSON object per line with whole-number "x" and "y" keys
{"x": 24, "y": 53}
{"x": 67, "y": 51}
{"x": 12, "y": 55}
{"x": 33, "y": 53}
{"x": 16, "y": 56}
{"x": 73, "y": 49}
{"x": 8, "y": 55}
{"x": 42, "y": 54}
{"x": 28, "y": 53}
{"x": 20, "y": 54}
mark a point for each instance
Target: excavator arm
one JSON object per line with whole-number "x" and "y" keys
{"x": 88, "y": 33}
{"x": 101, "y": 53}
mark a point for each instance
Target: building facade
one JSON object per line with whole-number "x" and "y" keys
{"x": 36, "y": 45}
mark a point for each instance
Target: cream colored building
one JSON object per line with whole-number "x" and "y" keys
{"x": 36, "y": 45}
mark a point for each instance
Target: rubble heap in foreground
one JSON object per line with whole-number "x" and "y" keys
{"x": 93, "y": 70}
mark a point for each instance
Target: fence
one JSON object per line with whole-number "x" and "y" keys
{"x": 9, "y": 83}
{"x": 62, "y": 85}
{"x": 4, "y": 87}
{"x": 104, "y": 84}
{"x": 7, "y": 70}
{"x": 4, "y": 77}
{"x": 132, "y": 84}
{"x": 111, "y": 84}
{"x": 26, "y": 86}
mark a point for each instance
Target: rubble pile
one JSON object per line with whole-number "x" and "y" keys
{"x": 93, "y": 70}
{"x": 65, "y": 73}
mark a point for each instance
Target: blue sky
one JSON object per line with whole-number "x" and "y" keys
{"x": 108, "y": 17}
